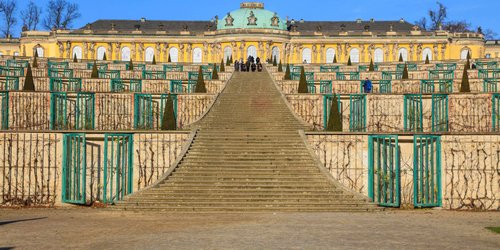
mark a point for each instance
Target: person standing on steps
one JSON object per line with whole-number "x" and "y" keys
{"x": 367, "y": 86}
{"x": 237, "y": 66}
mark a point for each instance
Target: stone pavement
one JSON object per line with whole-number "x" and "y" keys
{"x": 104, "y": 229}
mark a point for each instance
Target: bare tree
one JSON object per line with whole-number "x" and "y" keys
{"x": 458, "y": 26}
{"x": 488, "y": 34}
{"x": 437, "y": 16}
{"x": 61, "y": 14}
{"x": 31, "y": 16}
{"x": 7, "y": 10}
{"x": 422, "y": 23}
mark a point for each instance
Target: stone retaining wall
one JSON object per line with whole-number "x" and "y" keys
{"x": 470, "y": 167}
{"x": 31, "y": 164}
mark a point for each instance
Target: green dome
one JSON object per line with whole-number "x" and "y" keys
{"x": 243, "y": 19}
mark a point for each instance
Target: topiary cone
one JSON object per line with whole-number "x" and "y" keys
{"x": 465, "y": 85}
{"x": 372, "y": 67}
{"x": 287, "y": 72}
{"x": 75, "y": 60}
{"x": 169, "y": 59}
{"x": 200, "y": 83}
{"x": 222, "y": 68}
{"x": 215, "y": 74}
{"x": 94, "y": 74}
{"x": 35, "y": 62}
{"x": 231, "y": 59}
{"x": 427, "y": 59}
{"x": 280, "y": 67}
{"x": 405, "y": 72}
{"x": 169, "y": 121}
{"x": 274, "y": 61}
{"x": 302, "y": 82}
{"x": 334, "y": 118}
{"x": 154, "y": 60}
{"x": 349, "y": 63}
{"x": 334, "y": 58}
{"x": 130, "y": 65}
{"x": 228, "y": 63}
{"x": 104, "y": 58}
{"x": 29, "y": 85}
{"x": 400, "y": 57}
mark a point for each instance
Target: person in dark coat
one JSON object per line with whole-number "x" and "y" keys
{"x": 237, "y": 66}
{"x": 367, "y": 86}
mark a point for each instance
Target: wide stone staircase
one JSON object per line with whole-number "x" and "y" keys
{"x": 248, "y": 156}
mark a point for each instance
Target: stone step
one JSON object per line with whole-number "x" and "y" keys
{"x": 246, "y": 209}
{"x": 237, "y": 196}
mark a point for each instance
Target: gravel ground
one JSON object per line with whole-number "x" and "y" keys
{"x": 101, "y": 228}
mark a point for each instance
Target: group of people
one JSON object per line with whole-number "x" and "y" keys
{"x": 252, "y": 64}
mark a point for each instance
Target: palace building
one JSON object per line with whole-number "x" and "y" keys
{"x": 250, "y": 30}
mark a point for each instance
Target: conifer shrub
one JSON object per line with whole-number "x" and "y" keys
{"x": 287, "y": 72}
{"x": 280, "y": 67}
{"x": 222, "y": 68}
{"x": 334, "y": 58}
{"x": 334, "y": 118}
{"x": 169, "y": 121}
{"x": 200, "y": 83}
{"x": 349, "y": 63}
{"x": 427, "y": 59}
{"x": 75, "y": 60}
{"x": 130, "y": 65}
{"x": 303, "y": 82}
{"x": 400, "y": 57}
{"x": 94, "y": 74}
{"x": 465, "y": 85}
{"x": 104, "y": 58}
{"x": 154, "y": 60}
{"x": 372, "y": 67}
{"x": 274, "y": 61}
{"x": 215, "y": 74}
{"x": 405, "y": 72}
{"x": 29, "y": 85}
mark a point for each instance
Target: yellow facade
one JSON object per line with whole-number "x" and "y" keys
{"x": 266, "y": 37}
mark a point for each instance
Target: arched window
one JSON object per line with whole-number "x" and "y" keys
{"x": 404, "y": 53}
{"x": 125, "y": 54}
{"x": 174, "y": 54}
{"x": 252, "y": 51}
{"x": 197, "y": 55}
{"x": 463, "y": 54}
{"x": 149, "y": 54}
{"x": 40, "y": 51}
{"x": 378, "y": 55}
{"x": 426, "y": 52}
{"x": 77, "y": 51}
{"x": 330, "y": 54}
{"x": 228, "y": 52}
{"x": 16, "y": 53}
{"x": 306, "y": 55}
{"x": 354, "y": 54}
{"x": 275, "y": 52}
{"x": 100, "y": 53}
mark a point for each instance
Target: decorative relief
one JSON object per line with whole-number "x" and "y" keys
{"x": 229, "y": 20}
{"x": 275, "y": 20}
{"x": 252, "y": 19}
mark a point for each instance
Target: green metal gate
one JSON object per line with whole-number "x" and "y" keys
{"x": 143, "y": 111}
{"x": 85, "y": 111}
{"x": 58, "y": 111}
{"x": 495, "y": 111}
{"x": 357, "y": 112}
{"x": 383, "y": 170}
{"x": 74, "y": 169}
{"x": 413, "y": 117}
{"x": 118, "y": 153}
{"x": 426, "y": 171}
{"x": 439, "y": 113}
{"x": 327, "y": 105}
{"x": 4, "y": 106}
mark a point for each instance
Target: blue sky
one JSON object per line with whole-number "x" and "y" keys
{"x": 479, "y": 12}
